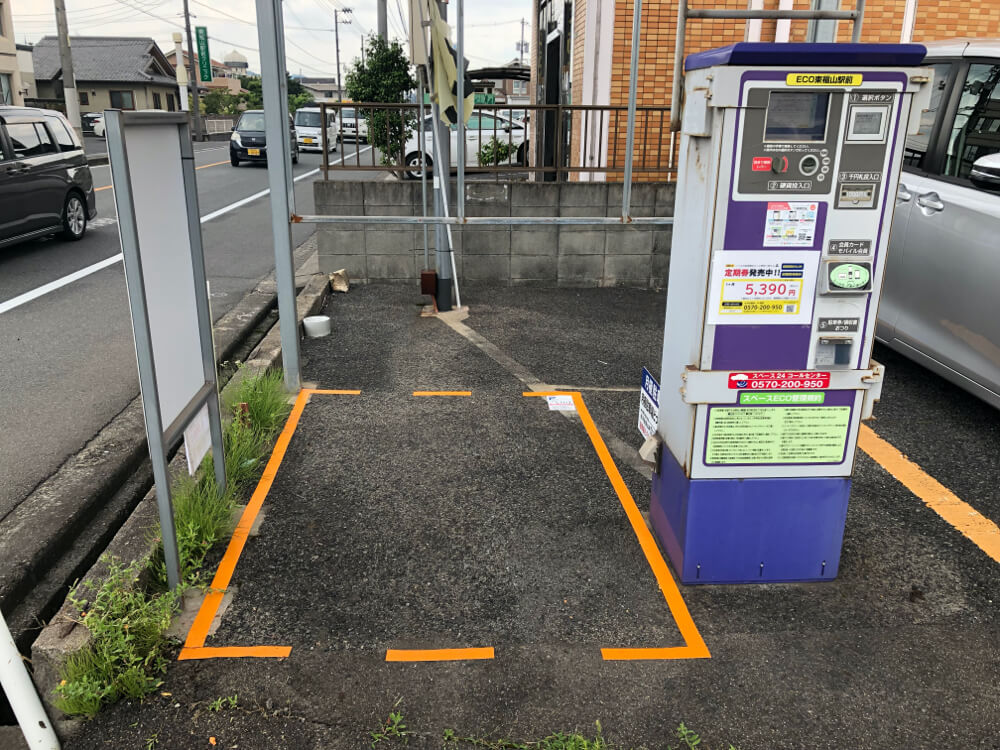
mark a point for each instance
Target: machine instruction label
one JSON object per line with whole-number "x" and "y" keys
{"x": 778, "y": 380}
{"x": 762, "y": 286}
{"x": 777, "y": 434}
{"x": 790, "y": 224}
{"x": 838, "y": 325}
{"x": 649, "y": 404}
{"x": 849, "y": 247}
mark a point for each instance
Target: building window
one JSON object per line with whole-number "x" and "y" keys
{"x": 122, "y": 100}
{"x": 156, "y": 102}
{"x": 6, "y": 92}
{"x": 171, "y": 107}
{"x": 84, "y": 98}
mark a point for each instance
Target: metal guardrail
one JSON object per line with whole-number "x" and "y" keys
{"x": 576, "y": 139}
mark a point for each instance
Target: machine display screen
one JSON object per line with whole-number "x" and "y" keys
{"x": 796, "y": 116}
{"x": 867, "y": 123}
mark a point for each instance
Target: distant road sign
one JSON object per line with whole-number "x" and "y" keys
{"x": 204, "y": 58}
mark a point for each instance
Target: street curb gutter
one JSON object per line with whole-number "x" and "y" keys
{"x": 87, "y": 499}
{"x": 63, "y": 636}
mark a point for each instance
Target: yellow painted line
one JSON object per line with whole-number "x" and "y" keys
{"x": 198, "y": 632}
{"x": 213, "y": 164}
{"x": 438, "y": 654}
{"x": 442, "y": 393}
{"x": 980, "y": 530}
{"x": 203, "y": 166}
{"x": 694, "y": 645}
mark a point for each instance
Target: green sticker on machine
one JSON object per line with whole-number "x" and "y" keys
{"x": 850, "y": 275}
{"x": 750, "y": 398}
{"x": 777, "y": 435}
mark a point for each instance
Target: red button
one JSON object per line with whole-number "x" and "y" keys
{"x": 761, "y": 164}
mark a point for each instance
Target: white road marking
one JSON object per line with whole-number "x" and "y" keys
{"x": 22, "y": 299}
{"x": 34, "y": 294}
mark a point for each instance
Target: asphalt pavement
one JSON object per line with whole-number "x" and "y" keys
{"x": 398, "y": 525}
{"x": 69, "y": 360}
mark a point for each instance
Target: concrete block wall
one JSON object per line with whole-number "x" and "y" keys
{"x": 543, "y": 255}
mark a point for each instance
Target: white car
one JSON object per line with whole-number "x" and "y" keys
{"x": 353, "y": 126}
{"x": 309, "y": 130}
{"x": 483, "y": 127}
{"x": 97, "y": 123}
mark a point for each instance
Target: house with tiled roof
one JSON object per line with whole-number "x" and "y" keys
{"x": 111, "y": 72}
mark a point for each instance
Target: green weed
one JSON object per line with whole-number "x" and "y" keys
{"x": 127, "y": 651}
{"x": 266, "y": 400}
{"x": 394, "y": 727}
{"x": 229, "y": 701}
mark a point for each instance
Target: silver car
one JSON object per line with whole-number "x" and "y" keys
{"x": 941, "y": 301}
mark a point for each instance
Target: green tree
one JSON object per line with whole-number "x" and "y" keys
{"x": 254, "y": 99}
{"x": 384, "y": 76}
{"x": 220, "y": 102}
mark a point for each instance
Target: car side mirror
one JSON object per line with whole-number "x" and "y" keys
{"x": 986, "y": 172}
{"x": 232, "y": 129}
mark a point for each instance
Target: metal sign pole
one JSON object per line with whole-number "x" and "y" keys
{"x": 423, "y": 163}
{"x": 204, "y": 312}
{"x": 460, "y": 80}
{"x": 129, "y": 232}
{"x": 279, "y": 169}
{"x": 22, "y": 696}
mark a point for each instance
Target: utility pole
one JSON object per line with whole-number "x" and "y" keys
{"x": 181, "y": 71}
{"x": 70, "y": 96}
{"x": 521, "y": 47}
{"x": 336, "y": 37}
{"x": 383, "y": 20}
{"x": 442, "y": 173}
{"x": 193, "y": 75}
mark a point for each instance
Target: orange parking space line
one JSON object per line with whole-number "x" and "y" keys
{"x": 326, "y": 392}
{"x": 654, "y": 654}
{"x": 980, "y": 530}
{"x": 442, "y": 393}
{"x": 235, "y": 652}
{"x": 106, "y": 187}
{"x": 439, "y": 654}
{"x": 694, "y": 647}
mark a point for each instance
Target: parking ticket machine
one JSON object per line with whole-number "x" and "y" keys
{"x": 789, "y": 162}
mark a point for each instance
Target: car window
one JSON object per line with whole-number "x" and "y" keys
{"x": 251, "y": 121}
{"x": 976, "y": 129}
{"x": 30, "y": 139}
{"x": 62, "y": 134}
{"x": 307, "y": 119}
{"x": 915, "y": 153}
{"x": 484, "y": 122}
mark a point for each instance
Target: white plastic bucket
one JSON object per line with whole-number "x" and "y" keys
{"x": 317, "y": 326}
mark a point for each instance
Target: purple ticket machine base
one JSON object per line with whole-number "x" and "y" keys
{"x": 789, "y": 164}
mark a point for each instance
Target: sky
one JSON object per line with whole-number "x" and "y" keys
{"x": 492, "y": 28}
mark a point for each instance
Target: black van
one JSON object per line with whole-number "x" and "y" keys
{"x": 249, "y": 141}
{"x": 45, "y": 182}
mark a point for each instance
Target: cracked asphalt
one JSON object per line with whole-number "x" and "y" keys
{"x": 443, "y": 522}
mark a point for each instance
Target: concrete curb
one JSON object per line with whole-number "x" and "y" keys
{"x": 63, "y": 635}
{"x": 89, "y": 497}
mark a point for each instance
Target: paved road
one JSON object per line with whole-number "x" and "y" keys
{"x": 69, "y": 363}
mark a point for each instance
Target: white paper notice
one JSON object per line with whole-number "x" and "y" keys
{"x": 750, "y": 287}
{"x": 790, "y": 224}
{"x": 561, "y": 403}
{"x": 197, "y": 440}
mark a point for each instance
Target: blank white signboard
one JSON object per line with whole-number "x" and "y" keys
{"x": 154, "y": 157}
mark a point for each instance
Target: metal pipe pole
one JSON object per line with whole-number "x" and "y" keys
{"x": 270, "y": 32}
{"x": 423, "y": 164}
{"x": 22, "y": 696}
{"x": 633, "y": 84}
{"x": 460, "y": 79}
{"x": 858, "y": 21}
{"x": 675, "y": 86}
{"x": 192, "y": 73}
{"x": 70, "y": 96}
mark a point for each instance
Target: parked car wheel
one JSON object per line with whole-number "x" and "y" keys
{"x": 522, "y": 152}
{"x": 74, "y": 218}
{"x": 234, "y": 161}
{"x": 295, "y": 155}
{"x": 412, "y": 162}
